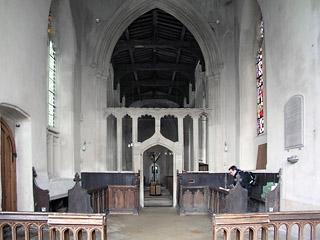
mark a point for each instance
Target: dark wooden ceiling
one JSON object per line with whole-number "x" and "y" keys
{"x": 155, "y": 58}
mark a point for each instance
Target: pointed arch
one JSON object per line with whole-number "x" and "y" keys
{"x": 181, "y": 10}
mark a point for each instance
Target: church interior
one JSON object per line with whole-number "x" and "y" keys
{"x": 159, "y": 97}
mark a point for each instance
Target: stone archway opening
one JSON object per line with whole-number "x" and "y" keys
{"x": 158, "y": 176}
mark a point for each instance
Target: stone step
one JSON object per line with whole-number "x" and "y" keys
{"x": 163, "y": 200}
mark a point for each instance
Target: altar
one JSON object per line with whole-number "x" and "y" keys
{"x": 155, "y": 190}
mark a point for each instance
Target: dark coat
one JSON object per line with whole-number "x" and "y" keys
{"x": 244, "y": 180}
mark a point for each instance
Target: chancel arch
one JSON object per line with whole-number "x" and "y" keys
{"x": 202, "y": 32}
{"x": 129, "y": 11}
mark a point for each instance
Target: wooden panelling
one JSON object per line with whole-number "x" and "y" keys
{"x": 41, "y": 197}
{"x": 123, "y": 199}
{"x": 193, "y": 200}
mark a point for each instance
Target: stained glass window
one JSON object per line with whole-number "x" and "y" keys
{"x": 49, "y": 22}
{"x": 52, "y": 86}
{"x": 260, "y": 79}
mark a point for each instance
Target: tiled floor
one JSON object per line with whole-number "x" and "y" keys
{"x": 159, "y": 223}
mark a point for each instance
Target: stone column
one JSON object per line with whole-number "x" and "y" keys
{"x": 203, "y": 133}
{"x": 195, "y": 143}
{"x": 135, "y": 147}
{"x": 180, "y": 129}
{"x": 190, "y": 147}
{"x": 180, "y": 140}
{"x": 214, "y": 128}
{"x": 119, "y": 143}
{"x": 157, "y": 124}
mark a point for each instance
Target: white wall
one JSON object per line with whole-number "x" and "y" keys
{"x": 23, "y": 82}
{"x": 23, "y": 47}
{"x": 247, "y": 17}
{"x": 293, "y": 57}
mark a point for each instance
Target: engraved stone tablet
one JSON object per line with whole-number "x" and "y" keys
{"x": 293, "y": 122}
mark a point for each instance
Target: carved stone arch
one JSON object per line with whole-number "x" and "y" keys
{"x": 159, "y": 140}
{"x": 180, "y": 9}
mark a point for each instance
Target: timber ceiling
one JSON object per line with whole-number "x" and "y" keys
{"x": 155, "y": 59}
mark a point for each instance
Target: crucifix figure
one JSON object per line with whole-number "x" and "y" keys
{"x": 154, "y": 158}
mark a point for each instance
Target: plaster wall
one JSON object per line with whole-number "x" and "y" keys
{"x": 93, "y": 10}
{"x": 24, "y": 87}
{"x": 292, "y": 55}
{"x": 23, "y": 69}
{"x": 247, "y": 17}
{"x": 65, "y": 36}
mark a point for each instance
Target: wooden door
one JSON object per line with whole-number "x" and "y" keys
{"x": 262, "y": 157}
{"x": 8, "y": 169}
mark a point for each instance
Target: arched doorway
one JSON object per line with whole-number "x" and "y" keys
{"x": 158, "y": 177}
{"x": 8, "y": 169}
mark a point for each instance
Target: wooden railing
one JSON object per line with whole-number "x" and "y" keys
{"x": 261, "y": 225}
{"x": 64, "y": 226}
{"x": 217, "y": 200}
{"x": 99, "y": 199}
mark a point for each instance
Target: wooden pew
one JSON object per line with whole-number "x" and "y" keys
{"x": 201, "y": 193}
{"x": 113, "y": 192}
{"x": 41, "y": 197}
{"x": 78, "y": 198}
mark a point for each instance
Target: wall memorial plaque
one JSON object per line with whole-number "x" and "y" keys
{"x": 294, "y": 122}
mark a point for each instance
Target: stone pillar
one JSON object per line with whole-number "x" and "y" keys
{"x": 203, "y": 133}
{"x": 190, "y": 147}
{"x": 157, "y": 124}
{"x": 135, "y": 147}
{"x": 119, "y": 143}
{"x": 180, "y": 129}
{"x": 101, "y": 126}
{"x": 180, "y": 157}
{"x": 195, "y": 143}
{"x": 214, "y": 127}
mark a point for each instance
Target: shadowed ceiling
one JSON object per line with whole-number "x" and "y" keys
{"x": 155, "y": 60}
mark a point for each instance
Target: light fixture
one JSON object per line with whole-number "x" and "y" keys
{"x": 168, "y": 152}
{"x": 293, "y": 159}
{"x": 225, "y": 146}
{"x": 138, "y": 46}
{"x": 84, "y": 146}
{"x": 130, "y": 144}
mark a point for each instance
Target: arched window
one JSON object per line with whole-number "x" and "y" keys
{"x": 52, "y": 130}
{"x": 52, "y": 75}
{"x": 52, "y": 86}
{"x": 260, "y": 81}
